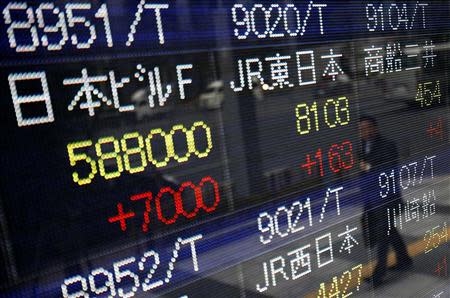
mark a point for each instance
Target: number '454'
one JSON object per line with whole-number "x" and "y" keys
{"x": 428, "y": 92}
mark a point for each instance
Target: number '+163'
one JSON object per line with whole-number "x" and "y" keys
{"x": 340, "y": 158}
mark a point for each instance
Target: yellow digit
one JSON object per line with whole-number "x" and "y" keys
{"x": 75, "y": 157}
{"x": 191, "y": 139}
{"x": 428, "y": 93}
{"x": 345, "y": 281}
{"x": 428, "y": 242}
{"x": 108, "y": 156}
{"x": 300, "y": 118}
{"x": 437, "y": 91}
{"x": 322, "y": 291}
{"x": 139, "y": 150}
{"x": 334, "y": 291}
{"x": 419, "y": 95}
{"x": 169, "y": 148}
{"x": 359, "y": 267}
{"x": 445, "y": 232}
{"x": 325, "y": 111}
{"x": 345, "y": 109}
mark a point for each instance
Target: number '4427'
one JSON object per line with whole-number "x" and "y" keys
{"x": 428, "y": 93}
{"x": 340, "y": 286}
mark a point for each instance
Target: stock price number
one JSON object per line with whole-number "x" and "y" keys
{"x": 334, "y": 112}
{"x": 428, "y": 93}
{"x": 181, "y": 200}
{"x": 49, "y": 26}
{"x": 132, "y": 153}
{"x": 134, "y": 275}
{"x": 340, "y": 286}
{"x": 340, "y": 158}
{"x": 434, "y": 239}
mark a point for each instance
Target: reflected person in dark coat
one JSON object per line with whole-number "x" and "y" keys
{"x": 378, "y": 154}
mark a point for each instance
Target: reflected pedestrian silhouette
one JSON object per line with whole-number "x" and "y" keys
{"x": 377, "y": 154}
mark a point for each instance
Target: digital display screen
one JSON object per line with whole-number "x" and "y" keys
{"x": 224, "y": 148}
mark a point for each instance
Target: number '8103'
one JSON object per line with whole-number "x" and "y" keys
{"x": 133, "y": 153}
{"x": 336, "y": 113}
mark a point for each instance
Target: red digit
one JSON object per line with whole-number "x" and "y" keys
{"x": 319, "y": 158}
{"x": 167, "y": 221}
{"x": 333, "y": 153}
{"x": 349, "y": 153}
{"x": 148, "y": 196}
{"x": 309, "y": 164}
{"x": 216, "y": 194}
{"x": 179, "y": 199}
